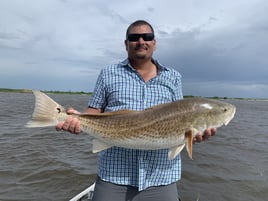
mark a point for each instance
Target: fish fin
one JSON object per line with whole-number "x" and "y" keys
{"x": 99, "y": 145}
{"x": 174, "y": 151}
{"x": 105, "y": 114}
{"x": 189, "y": 135}
{"x": 45, "y": 112}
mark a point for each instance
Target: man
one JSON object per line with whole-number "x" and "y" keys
{"x": 136, "y": 83}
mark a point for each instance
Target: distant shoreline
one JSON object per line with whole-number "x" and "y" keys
{"x": 45, "y": 91}
{"x": 90, "y": 93}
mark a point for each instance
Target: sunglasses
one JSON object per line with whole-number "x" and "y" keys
{"x": 136, "y": 37}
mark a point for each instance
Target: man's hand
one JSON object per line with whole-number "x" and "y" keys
{"x": 204, "y": 136}
{"x": 71, "y": 124}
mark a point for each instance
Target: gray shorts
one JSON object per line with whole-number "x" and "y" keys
{"x": 105, "y": 191}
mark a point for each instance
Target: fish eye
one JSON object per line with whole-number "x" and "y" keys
{"x": 59, "y": 110}
{"x": 225, "y": 110}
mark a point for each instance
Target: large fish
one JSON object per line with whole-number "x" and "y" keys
{"x": 170, "y": 125}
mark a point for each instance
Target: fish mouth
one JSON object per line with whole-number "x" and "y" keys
{"x": 227, "y": 122}
{"x": 231, "y": 117}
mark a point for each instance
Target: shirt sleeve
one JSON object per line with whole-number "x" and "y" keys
{"x": 98, "y": 98}
{"x": 178, "y": 95}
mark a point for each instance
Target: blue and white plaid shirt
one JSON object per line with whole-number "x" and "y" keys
{"x": 120, "y": 87}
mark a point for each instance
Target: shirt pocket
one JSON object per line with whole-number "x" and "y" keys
{"x": 124, "y": 95}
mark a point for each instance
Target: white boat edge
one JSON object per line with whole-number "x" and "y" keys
{"x": 88, "y": 191}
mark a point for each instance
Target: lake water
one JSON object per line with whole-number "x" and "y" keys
{"x": 42, "y": 164}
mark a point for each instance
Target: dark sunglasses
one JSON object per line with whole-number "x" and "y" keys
{"x": 136, "y": 37}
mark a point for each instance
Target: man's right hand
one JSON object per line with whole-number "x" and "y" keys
{"x": 71, "y": 124}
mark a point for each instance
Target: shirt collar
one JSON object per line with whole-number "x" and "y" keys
{"x": 159, "y": 66}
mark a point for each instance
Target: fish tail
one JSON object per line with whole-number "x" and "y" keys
{"x": 46, "y": 111}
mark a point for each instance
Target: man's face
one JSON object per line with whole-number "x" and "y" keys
{"x": 140, "y": 48}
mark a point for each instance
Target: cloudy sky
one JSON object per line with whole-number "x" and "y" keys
{"x": 219, "y": 47}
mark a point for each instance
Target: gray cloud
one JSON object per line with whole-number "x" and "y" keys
{"x": 219, "y": 47}
{"x": 229, "y": 60}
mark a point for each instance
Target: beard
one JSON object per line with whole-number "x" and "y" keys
{"x": 139, "y": 54}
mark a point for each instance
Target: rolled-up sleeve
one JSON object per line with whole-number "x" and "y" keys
{"x": 98, "y": 98}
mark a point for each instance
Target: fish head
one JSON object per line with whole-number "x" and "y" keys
{"x": 217, "y": 113}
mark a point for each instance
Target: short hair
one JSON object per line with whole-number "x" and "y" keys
{"x": 138, "y": 23}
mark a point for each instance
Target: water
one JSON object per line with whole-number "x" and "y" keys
{"x": 42, "y": 164}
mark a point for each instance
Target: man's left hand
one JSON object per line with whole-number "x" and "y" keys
{"x": 204, "y": 136}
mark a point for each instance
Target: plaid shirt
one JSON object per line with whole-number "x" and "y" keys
{"x": 121, "y": 87}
